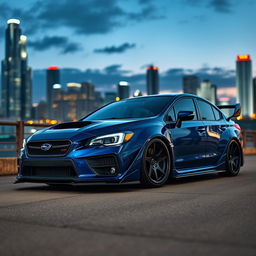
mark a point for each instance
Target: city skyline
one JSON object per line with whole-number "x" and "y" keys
{"x": 203, "y": 40}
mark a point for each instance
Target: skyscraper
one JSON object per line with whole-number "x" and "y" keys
{"x": 254, "y": 97}
{"x": 52, "y": 77}
{"x": 16, "y": 75}
{"x": 123, "y": 90}
{"x": 152, "y": 80}
{"x": 190, "y": 84}
{"x": 26, "y": 81}
{"x": 208, "y": 90}
{"x": 244, "y": 84}
{"x": 57, "y": 106}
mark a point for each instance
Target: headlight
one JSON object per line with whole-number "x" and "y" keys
{"x": 111, "y": 139}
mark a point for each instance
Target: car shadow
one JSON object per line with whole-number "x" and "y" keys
{"x": 115, "y": 188}
{"x": 84, "y": 188}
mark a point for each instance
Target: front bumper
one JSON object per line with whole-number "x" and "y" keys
{"x": 81, "y": 166}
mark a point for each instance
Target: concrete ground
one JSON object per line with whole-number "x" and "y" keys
{"x": 207, "y": 215}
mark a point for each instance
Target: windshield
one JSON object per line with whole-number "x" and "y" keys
{"x": 132, "y": 108}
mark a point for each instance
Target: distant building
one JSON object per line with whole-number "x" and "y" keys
{"x": 40, "y": 111}
{"x": 16, "y": 75}
{"x": 137, "y": 93}
{"x": 208, "y": 90}
{"x": 244, "y": 84}
{"x": 26, "y": 81}
{"x": 123, "y": 90}
{"x": 110, "y": 97}
{"x": 73, "y": 103}
{"x": 190, "y": 84}
{"x": 52, "y": 77}
{"x": 57, "y": 105}
{"x": 90, "y": 103}
{"x": 152, "y": 80}
{"x": 99, "y": 99}
{"x": 254, "y": 97}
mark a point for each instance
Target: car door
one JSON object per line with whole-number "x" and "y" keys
{"x": 189, "y": 139}
{"x": 216, "y": 129}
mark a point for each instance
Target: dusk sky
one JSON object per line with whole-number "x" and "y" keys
{"x": 104, "y": 40}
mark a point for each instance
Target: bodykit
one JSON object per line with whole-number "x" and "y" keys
{"x": 75, "y": 152}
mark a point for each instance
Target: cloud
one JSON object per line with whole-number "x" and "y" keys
{"x": 145, "y": 1}
{"x": 59, "y": 42}
{"x": 85, "y": 17}
{"x": 5, "y": 10}
{"x": 115, "y": 49}
{"x": 223, "y": 6}
{"x": 115, "y": 69}
{"x": 147, "y": 13}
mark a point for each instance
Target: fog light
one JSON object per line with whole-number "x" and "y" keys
{"x": 112, "y": 170}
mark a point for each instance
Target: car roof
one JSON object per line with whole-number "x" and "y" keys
{"x": 178, "y": 95}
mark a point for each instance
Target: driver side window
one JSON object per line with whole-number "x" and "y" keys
{"x": 171, "y": 115}
{"x": 186, "y": 104}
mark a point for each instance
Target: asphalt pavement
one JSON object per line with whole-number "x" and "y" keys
{"x": 206, "y": 215}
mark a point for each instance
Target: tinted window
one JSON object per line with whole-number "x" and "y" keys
{"x": 133, "y": 108}
{"x": 171, "y": 115}
{"x": 186, "y": 104}
{"x": 205, "y": 110}
{"x": 217, "y": 113}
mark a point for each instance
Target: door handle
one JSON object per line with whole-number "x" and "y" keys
{"x": 201, "y": 129}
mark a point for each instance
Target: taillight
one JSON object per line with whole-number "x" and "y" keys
{"x": 237, "y": 126}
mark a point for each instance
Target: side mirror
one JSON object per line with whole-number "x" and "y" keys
{"x": 237, "y": 111}
{"x": 184, "y": 116}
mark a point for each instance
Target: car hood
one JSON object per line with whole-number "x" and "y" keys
{"x": 80, "y": 130}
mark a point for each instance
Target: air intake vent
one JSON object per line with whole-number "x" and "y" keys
{"x": 52, "y": 172}
{"x": 104, "y": 165}
{"x": 71, "y": 125}
{"x": 54, "y": 168}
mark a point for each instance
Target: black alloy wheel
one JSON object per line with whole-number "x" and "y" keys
{"x": 156, "y": 164}
{"x": 233, "y": 161}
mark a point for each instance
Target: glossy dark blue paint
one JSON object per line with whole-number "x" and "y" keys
{"x": 196, "y": 147}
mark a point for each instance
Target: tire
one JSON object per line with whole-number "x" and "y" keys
{"x": 233, "y": 159}
{"x": 156, "y": 163}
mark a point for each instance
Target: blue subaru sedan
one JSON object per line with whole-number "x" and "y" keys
{"x": 147, "y": 139}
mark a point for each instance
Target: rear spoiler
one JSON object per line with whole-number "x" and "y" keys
{"x": 236, "y": 107}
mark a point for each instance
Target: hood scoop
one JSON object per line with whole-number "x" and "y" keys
{"x": 71, "y": 125}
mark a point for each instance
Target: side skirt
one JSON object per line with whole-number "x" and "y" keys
{"x": 199, "y": 171}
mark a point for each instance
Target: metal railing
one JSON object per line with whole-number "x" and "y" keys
{"x": 11, "y": 140}
{"x": 249, "y": 138}
{"x": 13, "y": 133}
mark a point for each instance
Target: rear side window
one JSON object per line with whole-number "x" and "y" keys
{"x": 206, "y": 111}
{"x": 217, "y": 113}
{"x": 186, "y": 104}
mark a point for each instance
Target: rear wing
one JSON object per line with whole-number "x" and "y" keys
{"x": 236, "y": 112}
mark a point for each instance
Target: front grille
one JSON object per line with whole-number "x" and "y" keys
{"x": 53, "y": 172}
{"x": 104, "y": 165}
{"x": 57, "y": 148}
